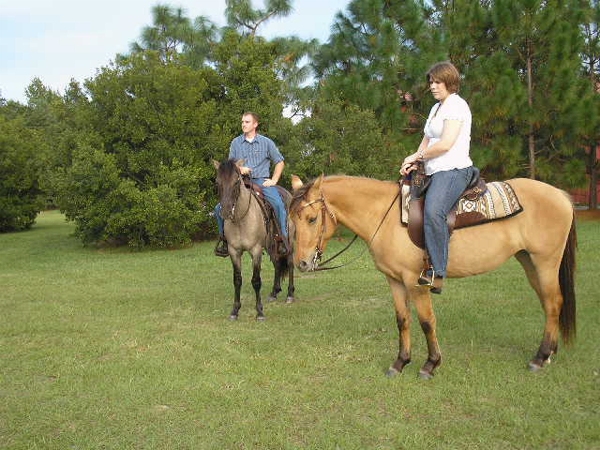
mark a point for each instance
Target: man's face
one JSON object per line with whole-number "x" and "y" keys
{"x": 248, "y": 124}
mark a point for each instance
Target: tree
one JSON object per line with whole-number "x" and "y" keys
{"x": 533, "y": 73}
{"x": 145, "y": 179}
{"x": 342, "y": 139}
{"x": 242, "y": 17}
{"x": 173, "y": 34}
{"x": 591, "y": 61}
{"x": 20, "y": 170}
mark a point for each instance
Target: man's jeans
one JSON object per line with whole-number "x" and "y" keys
{"x": 444, "y": 191}
{"x": 273, "y": 197}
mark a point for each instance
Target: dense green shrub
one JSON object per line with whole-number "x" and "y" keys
{"x": 20, "y": 168}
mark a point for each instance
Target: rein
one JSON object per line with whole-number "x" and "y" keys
{"x": 240, "y": 187}
{"x": 319, "y": 251}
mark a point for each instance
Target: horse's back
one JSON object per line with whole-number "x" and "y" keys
{"x": 542, "y": 200}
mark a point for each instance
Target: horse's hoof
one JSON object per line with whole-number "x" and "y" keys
{"x": 424, "y": 375}
{"x": 392, "y": 372}
{"x": 271, "y": 299}
{"x": 289, "y": 300}
{"x": 536, "y": 366}
{"x": 260, "y": 318}
{"x": 233, "y": 317}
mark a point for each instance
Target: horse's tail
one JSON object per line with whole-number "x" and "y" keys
{"x": 284, "y": 267}
{"x": 566, "y": 277}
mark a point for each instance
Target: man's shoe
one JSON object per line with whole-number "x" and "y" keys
{"x": 221, "y": 248}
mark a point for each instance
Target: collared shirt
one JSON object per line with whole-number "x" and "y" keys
{"x": 453, "y": 108}
{"x": 257, "y": 155}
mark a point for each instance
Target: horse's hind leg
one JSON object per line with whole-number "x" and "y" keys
{"x": 544, "y": 281}
{"x": 257, "y": 284}
{"x": 276, "y": 282}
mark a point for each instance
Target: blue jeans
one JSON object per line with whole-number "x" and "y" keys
{"x": 444, "y": 191}
{"x": 272, "y": 195}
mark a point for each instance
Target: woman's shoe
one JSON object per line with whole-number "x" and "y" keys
{"x": 435, "y": 282}
{"x": 436, "y": 285}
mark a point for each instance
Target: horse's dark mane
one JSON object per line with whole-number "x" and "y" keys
{"x": 227, "y": 168}
{"x": 227, "y": 175}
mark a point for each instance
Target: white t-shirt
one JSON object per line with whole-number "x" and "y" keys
{"x": 453, "y": 108}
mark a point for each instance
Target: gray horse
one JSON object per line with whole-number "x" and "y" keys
{"x": 246, "y": 229}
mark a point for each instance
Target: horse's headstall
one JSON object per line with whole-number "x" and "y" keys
{"x": 324, "y": 207}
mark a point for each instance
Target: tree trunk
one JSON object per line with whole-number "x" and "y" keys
{"x": 593, "y": 163}
{"x": 531, "y": 139}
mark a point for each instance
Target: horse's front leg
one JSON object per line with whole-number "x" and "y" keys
{"x": 236, "y": 262}
{"x": 399, "y": 294}
{"x": 422, "y": 300}
{"x": 257, "y": 282}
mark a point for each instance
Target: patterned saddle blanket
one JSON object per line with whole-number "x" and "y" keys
{"x": 497, "y": 201}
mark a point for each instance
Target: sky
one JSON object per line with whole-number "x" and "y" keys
{"x": 60, "y": 40}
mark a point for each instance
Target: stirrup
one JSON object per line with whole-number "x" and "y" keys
{"x": 221, "y": 249}
{"x": 433, "y": 282}
{"x": 424, "y": 278}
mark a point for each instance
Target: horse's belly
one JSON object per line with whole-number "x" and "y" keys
{"x": 481, "y": 249}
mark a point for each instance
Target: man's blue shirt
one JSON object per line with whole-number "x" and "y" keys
{"x": 258, "y": 154}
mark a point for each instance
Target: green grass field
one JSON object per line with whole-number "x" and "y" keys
{"x": 110, "y": 349}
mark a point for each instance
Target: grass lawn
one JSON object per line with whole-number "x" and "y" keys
{"x": 111, "y": 349}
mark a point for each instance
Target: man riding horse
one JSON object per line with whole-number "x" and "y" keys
{"x": 258, "y": 152}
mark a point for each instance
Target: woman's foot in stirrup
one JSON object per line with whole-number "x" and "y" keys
{"x": 429, "y": 279}
{"x": 425, "y": 278}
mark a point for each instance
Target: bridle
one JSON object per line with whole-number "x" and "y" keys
{"x": 238, "y": 188}
{"x": 319, "y": 247}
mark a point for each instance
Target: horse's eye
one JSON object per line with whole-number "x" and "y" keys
{"x": 312, "y": 220}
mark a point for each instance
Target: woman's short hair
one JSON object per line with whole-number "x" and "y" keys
{"x": 446, "y": 73}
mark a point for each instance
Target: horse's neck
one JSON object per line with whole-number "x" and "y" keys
{"x": 243, "y": 205}
{"x": 360, "y": 204}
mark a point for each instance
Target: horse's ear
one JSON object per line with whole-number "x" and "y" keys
{"x": 216, "y": 164}
{"x": 318, "y": 181}
{"x": 296, "y": 182}
{"x": 240, "y": 162}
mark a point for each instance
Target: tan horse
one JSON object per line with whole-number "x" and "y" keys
{"x": 542, "y": 238}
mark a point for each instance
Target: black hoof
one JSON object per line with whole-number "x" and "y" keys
{"x": 392, "y": 372}
{"x": 424, "y": 375}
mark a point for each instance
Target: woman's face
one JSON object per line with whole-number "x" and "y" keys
{"x": 438, "y": 89}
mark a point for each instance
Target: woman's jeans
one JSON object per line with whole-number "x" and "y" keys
{"x": 272, "y": 195}
{"x": 444, "y": 190}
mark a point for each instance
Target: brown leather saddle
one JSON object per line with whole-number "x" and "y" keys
{"x": 418, "y": 187}
{"x": 273, "y": 229}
